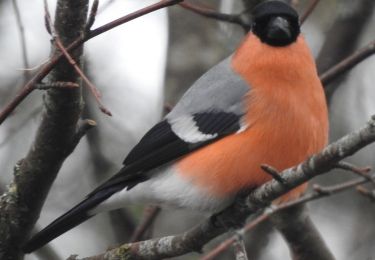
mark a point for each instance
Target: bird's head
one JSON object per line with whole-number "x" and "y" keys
{"x": 275, "y": 23}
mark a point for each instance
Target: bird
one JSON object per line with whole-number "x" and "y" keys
{"x": 264, "y": 104}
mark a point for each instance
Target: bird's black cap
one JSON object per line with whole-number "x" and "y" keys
{"x": 275, "y": 23}
{"x": 273, "y": 8}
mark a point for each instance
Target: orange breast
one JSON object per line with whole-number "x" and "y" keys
{"x": 287, "y": 119}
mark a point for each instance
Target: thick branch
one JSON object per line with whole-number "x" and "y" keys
{"x": 195, "y": 238}
{"x": 55, "y": 139}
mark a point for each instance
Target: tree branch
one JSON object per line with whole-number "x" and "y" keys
{"x": 309, "y": 10}
{"x": 261, "y": 197}
{"x": 238, "y": 19}
{"x": 318, "y": 193}
{"x": 149, "y": 216}
{"x": 347, "y": 64}
{"x": 55, "y": 140}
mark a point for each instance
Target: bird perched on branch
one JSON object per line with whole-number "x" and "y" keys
{"x": 262, "y": 105}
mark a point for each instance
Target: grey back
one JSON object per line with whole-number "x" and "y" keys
{"x": 219, "y": 89}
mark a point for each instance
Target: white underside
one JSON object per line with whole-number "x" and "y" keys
{"x": 165, "y": 188}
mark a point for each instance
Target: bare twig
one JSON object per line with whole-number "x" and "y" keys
{"x": 363, "y": 172}
{"x": 318, "y": 193}
{"x": 273, "y": 172}
{"x": 348, "y": 63}
{"x": 91, "y": 86}
{"x": 92, "y": 15}
{"x": 72, "y": 62}
{"x": 21, "y": 29}
{"x": 30, "y": 86}
{"x": 61, "y": 85}
{"x": 83, "y": 126}
{"x": 367, "y": 193}
{"x": 309, "y": 10}
{"x": 209, "y": 13}
{"x": 149, "y": 216}
{"x": 129, "y": 17}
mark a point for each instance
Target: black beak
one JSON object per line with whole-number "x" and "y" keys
{"x": 279, "y": 29}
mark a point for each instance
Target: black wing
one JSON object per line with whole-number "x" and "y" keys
{"x": 161, "y": 145}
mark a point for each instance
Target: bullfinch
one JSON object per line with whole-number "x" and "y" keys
{"x": 264, "y": 104}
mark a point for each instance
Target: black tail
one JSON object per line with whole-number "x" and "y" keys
{"x": 80, "y": 212}
{"x": 69, "y": 220}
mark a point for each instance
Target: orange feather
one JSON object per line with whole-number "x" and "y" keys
{"x": 287, "y": 121}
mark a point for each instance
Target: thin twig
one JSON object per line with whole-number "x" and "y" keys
{"x": 59, "y": 84}
{"x": 83, "y": 126}
{"x": 43, "y": 72}
{"x": 72, "y": 62}
{"x": 210, "y": 13}
{"x": 309, "y": 10}
{"x": 21, "y": 29}
{"x": 228, "y": 242}
{"x": 149, "y": 215}
{"x": 367, "y": 193}
{"x": 347, "y": 63}
{"x": 129, "y": 17}
{"x": 273, "y": 172}
{"x": 323, "y": 192}
{"x": 90, "y": 85}
{"x": 92, "y": 15}
{"x": 363, "y": 172}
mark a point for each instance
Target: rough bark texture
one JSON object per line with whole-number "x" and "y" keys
{"x": 55, "y": 139}
{"x": 304, "y": 240}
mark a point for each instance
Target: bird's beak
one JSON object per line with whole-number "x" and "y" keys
{"x": 279, "y": 29}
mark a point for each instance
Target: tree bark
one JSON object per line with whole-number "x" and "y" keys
{"x": 55, "y": 139}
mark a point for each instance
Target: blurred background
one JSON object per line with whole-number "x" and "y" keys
{"x": 141, "y": 69}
